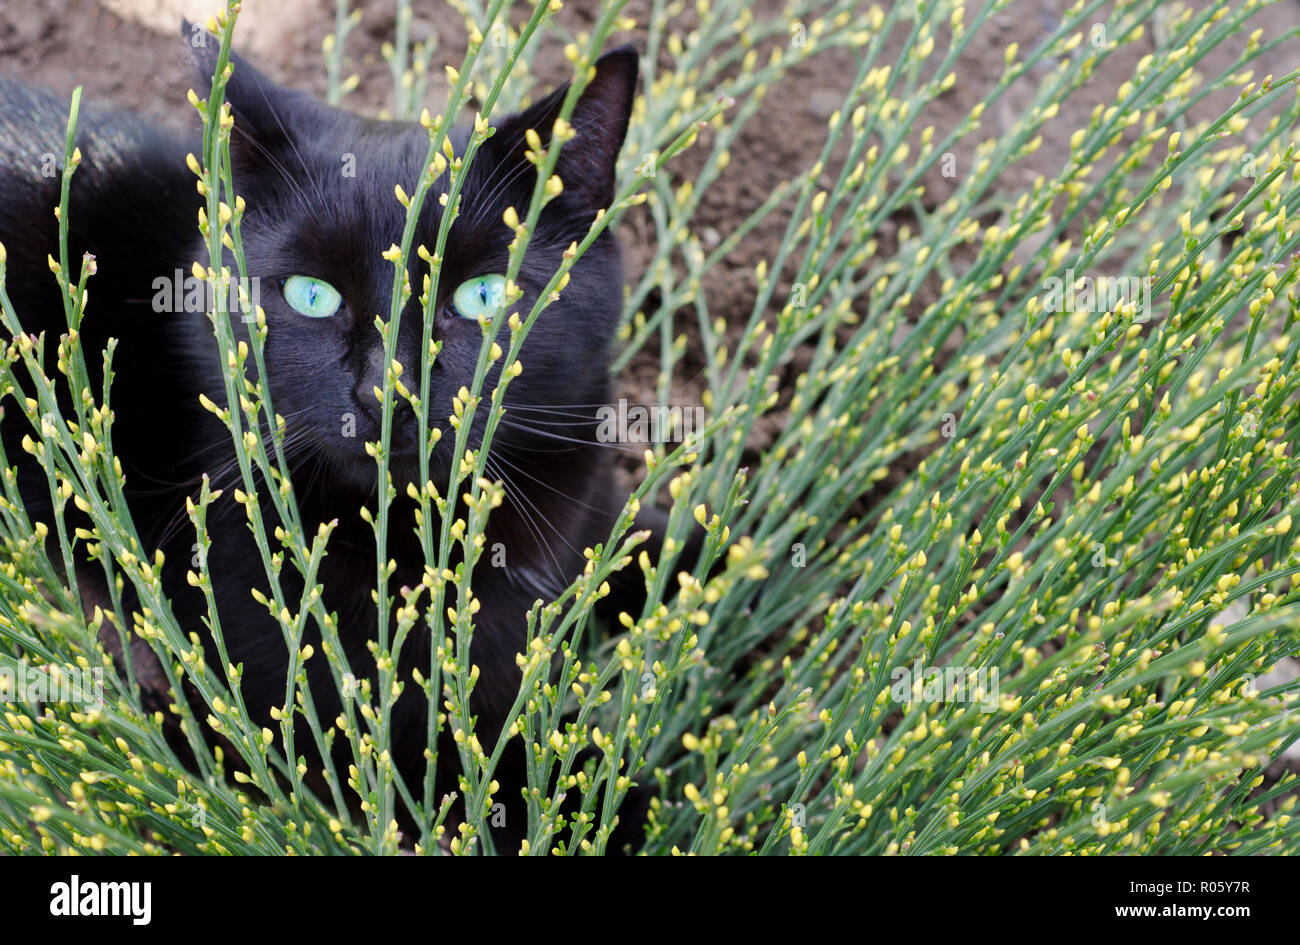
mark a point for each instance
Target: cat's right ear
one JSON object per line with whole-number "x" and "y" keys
{"x": 600, "y": 117}
{"x": 265, "y": 112}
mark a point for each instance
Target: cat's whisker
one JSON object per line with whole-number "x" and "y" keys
{"x": 531, "y": 450}
{"x": 169, "y": 485}
{"x": 501, "y": 176}
{"x": 546, "y": 485}
{"x": 519, "y": 406}
{"x": 315, "y": 185}
{"x": 270, "y": 158}
{"x": 587, "y": 422}
{"x": 291, "y": 439}
{"x": 534, "y": 519}
{"x": 317, "y": 468}
{"x": 484, "y": 205}
{"x": 598, "y": 444}
{"x": 514, "y": 494}
{"x": 228, "y": 475}
{"x": 216, "y": 478}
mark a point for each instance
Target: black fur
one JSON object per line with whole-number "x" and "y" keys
{"x": 134, "y": 207}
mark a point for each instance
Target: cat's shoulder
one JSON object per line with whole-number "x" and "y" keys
{"x": 33, "y": 128}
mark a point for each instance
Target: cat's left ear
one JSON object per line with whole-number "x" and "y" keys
{"x": 265, "y": 113}
{"x": 599, "y": 120}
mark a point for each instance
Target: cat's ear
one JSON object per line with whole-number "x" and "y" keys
{"x": 265, "y": 112}
{"x": 599, "y": 120}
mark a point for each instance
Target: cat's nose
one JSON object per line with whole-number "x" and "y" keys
{"x": 371, "y": 376}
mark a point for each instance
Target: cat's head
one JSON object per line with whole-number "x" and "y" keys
{"x": 318, "y": 183}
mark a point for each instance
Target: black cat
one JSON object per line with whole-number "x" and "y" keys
{"x": 318, "y": 183}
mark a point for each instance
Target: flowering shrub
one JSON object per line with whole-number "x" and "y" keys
{"x": 1011, "y": 577}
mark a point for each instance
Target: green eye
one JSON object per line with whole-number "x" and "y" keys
{"x": 314, "y": 298}
{"x": 479, "y": 297}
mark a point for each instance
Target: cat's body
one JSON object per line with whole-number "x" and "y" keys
{"x": 134, "y": 207}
